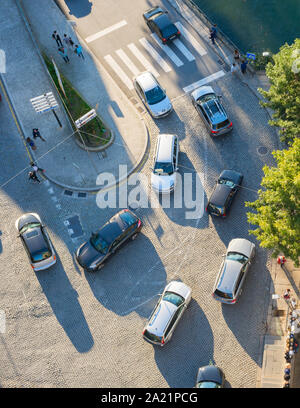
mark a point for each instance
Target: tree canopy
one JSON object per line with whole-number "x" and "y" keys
{"x": 277, "y": 208}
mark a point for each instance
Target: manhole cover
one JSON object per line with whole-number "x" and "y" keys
{"x": 262, "y": 150}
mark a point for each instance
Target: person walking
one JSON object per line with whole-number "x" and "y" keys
{"x": 233, "y": 68}
{"x": 64, "y": 54}
{"x": 78, "y": 51}
{"x": 236, "y": 55}
{"x": 244, "y": 66}
{"x": 35, "y": 168}
{"x": 71, "y": 42}
{"x": 66, "y": 41}
{"x": 56, "y": 37}
{"x": 287, "y": 294}
{"x": 32, "y": 176}
{"x": 36, "y": 134}
{"x": 213, "y": 35}
{"x": 31, "y": 143}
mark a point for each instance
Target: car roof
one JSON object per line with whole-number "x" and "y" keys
{"x": 215, "y": 111}
{"x": 35, "y": 240}
{"x": 240, "y": 245}
{"x": 164, "y": 148}
{"x": 111, "y": 230}
{"x": 230, "y": 272}
{"x": 162, "y": 21}
{"x": 203, "y": 90}
{"x": 159, "y": 321}
{"x": 220, "y": 194}
{"x": 146, "y": 80}
{"x": 231, "y": 175}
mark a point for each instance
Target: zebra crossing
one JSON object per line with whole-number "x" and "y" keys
{"x": 138, "y": 57}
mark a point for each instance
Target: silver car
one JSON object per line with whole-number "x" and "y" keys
{"x": 152, "y": 95}
{"x": 233, "y": 271}
{"x": 167, "y": 313}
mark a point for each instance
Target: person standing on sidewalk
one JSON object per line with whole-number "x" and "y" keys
{"x": 36, "y": 133}
{"x": 78, "y": 51}
{"x": 287, "y": 294}
{"x": 35, "y": 168}
{"x": 31, "y": 143}
{"x": 233, "y": 68}
{"x": 32, "y": 176}
{"x": 244, "y": 66}
{"x": 56, "y": 37}
{"x": 236, "y": 55}
{"x": 64, "y": 54}
{"x": 66, "y": 41}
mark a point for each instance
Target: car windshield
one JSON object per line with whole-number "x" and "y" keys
{"x": 235, "y": 256}
{"x": 228, "y": 183}
{"x": 223, "y": 294}
{"x": 155, "y": 95}
{"x": 99, "y": 243}
{"x": 216, "y": 209}
{"x": 152, "y": 337}
{"x": 206, "y": 98}
{"x": 174, "y": 298}
{"x": 29, "y": 226}
{"x": 163, "y": 169}
{"x": 128, "y": 218}
{"x": 221, "y": 124}
{"x": 208, "y": 384}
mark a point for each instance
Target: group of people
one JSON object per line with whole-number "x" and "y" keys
{"x": 68, "y": 45}
{"x": 32, "y": 175}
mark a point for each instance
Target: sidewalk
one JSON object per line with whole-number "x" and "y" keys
{"x": 64, "y": 162}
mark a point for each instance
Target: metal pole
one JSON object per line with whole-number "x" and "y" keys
{"x": 54, "y": 113}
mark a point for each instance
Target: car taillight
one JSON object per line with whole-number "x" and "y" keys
{"x": 233, "y": 301}
{"x": 214, "y": 131}
{"x": 224, "y": 215}
{"x": 164, "y": 40}
{"x": 178, "y": 32}
{"x": 143, "y": 332}
{"x": 32, "y": 266}
{"x": 162, "y": 341}
{"x": 206, "y": 208}
{"x": 54, "y": 257}
{"x": 230, "y": 124}
{"x": 139, "y": 223}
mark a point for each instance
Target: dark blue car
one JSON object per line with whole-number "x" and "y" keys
{"x": 158, "y": 22}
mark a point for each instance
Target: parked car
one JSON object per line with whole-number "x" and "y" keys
{"x": 163, "y": 177}
{"x": 211, "y": 110}
{"x": 233, "y": 271}
{"x": 159, "y": 22}
{"x": 123, "y": 226}
{"x": 210, "y": 376}
{"x": 36, "y": 241}
{"x": 167, "y": 313}
{"x": 152, "y": 95}
{"x": 226, "y": 187}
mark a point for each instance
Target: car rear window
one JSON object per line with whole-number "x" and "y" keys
{"x": 128, "y": 218}
{"x": 155, "y": 95}
{"x": 40, "y": 255}
{"x": 223, "y": 294}
{"x": 221, "y": 124}
{"x": 174, "y": 298}
{"x": 169, "y": 31}
{"x": 215, "y": 209}
{"x": 152, "y": 337}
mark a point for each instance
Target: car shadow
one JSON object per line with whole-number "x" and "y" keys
{"x": 63, "y": 300}
{"x": 179, "y": 360}
{"x": 129, "y": 281}
{"x": 79, "y": 8}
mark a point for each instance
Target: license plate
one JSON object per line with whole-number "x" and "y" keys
{"x": 173, "y": 36}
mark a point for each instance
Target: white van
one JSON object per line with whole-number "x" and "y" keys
{"x": 165, "y": 167}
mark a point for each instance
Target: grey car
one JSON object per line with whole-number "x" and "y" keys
{"x": 152, "y": 95}
{"x": 211, "y": 110}
{"x": 233, "y": 271}
{"x": 210, "y": 376}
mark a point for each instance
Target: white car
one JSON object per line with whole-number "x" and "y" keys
{"x": 164, "y": 171}
{"x": 152, "y": 95}
{"x": 167, "y": 313}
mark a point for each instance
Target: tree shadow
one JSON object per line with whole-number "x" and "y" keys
{"x": 63, "y": 300}
{"x": 79, "y": 8}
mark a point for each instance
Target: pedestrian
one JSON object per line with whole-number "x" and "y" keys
{"x": 236, "y": 55}
{"x": 64, "y": 54}
{"x": 78, "y": 51}
{"x": 214, "y": 30}
{"x": 286, "y": 384}
{"x": 213, "y": 35}
{"x": 287, "y": 371}
{"x": 31, "y": 143}
{"x": 291, "y": 352}
{"x": 293, "y": 303}
{"x": 56, "y": 37}
{"x": 287, "y": 294}
{"x": 296, "y": 346}
{"x": 244, "y": 66}
{"x": 71, "y": 42}
{"x": 32, "y": 176}
{"x": 286, "y": 377}
{"x": 35, "y": 168}
{"x": 66, "y": 41}
{"x": 36, "y": 133}
{"x": 233, "y": 68}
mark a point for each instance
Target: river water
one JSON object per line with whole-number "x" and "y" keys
{"x": 255, "y": 25}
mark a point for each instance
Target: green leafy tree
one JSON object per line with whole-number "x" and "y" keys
{"x": 278, "y": 205}
{"x": 283, "y": 97}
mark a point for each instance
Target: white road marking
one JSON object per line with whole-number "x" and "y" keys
{"x": 177, "y": 61}
{"x": 191, "y": 39}
{"x": 188, "y": 55}
{"x": 106, "y": 31}
{"x": 136, "y": 52}
{"x": 145, "y": 43}
{"x": 128, "y": 62}
{"x": 204, "y": 81}
{"x": 118, "y": 70}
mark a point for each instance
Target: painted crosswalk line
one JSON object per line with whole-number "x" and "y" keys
{"x": 188, "y": 55}
{"x": 148, "y": 47}
{"x": 191, "y": 39}
{"x": 106, "y": 31}
{"x": 127, "y": 61}
{"x": 137, "y": 53}
{"x": 203, "y": 81}
{"x": 118, "y": 70}
{"x": 171, "y": 54}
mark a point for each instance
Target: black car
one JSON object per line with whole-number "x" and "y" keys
{"x": 36, "y": 241}
{"x": 158, "y": 22}
{"x": 210, "y": 376}
{"x": 223, "y": 193}
{"x": 120, "y": 228}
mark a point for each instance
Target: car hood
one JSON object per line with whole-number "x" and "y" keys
{"x": 26, "y": 219}
{"x": 86, "y": 254}
{"x": 162, "y": 183}
{"x": 210, "y": 373}
{"x": 161, "y": 107}
{"x": 240, "y": 245}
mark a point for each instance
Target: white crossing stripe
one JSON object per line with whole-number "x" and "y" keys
{"x": 189, "y": 56}
{"x": 106, "y": 31}
{"x": 177, "y": 61}
{"x": 118, "y": 70}
{"x": 204, "y": 81}
{"x": 191, "y": 39}
{"x": 145, "y": 43}
{"x": 128, "y": 62}
{"x": 136, "y": 52}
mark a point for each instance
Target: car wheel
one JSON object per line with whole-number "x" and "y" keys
{"x": 133, "y": 237}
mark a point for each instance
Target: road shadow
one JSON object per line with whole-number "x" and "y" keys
{"x": 180, "y": 359}
{"x": 79, "y": 8}
{"x": 63, "y": 300}
{"x": 129, "y": 280}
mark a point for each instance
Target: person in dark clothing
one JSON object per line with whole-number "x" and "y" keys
{"x": 56, "y": 37}
{"x": 31, "y": 143}
{"x": 36, "y": 133}
{"x": 236, "y": 55}
{"x": 244, "y": 66}
{"x": 213, "y": 35}
{"x": 35, "y": 168}
{"x": 32, "y": 176}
